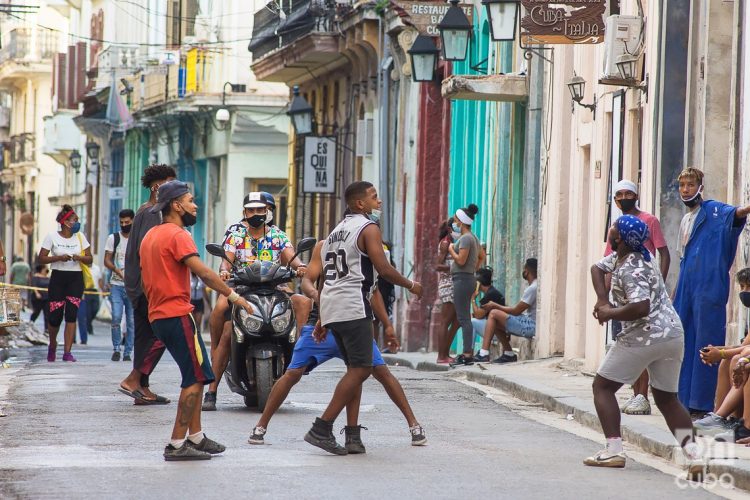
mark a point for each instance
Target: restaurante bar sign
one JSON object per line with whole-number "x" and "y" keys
{"x": 563, "y": 21}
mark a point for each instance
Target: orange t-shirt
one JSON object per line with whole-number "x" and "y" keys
{"x": 166, "y": 278}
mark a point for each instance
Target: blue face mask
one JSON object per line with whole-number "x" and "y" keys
{"x": 375, "y": 215}
{"x": 456, "y": 228}
{"x": 75, "y": 227}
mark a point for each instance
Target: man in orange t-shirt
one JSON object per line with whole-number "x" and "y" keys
{"x": 168, "y": 254}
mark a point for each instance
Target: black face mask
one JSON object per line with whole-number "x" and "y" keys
{"x": 256, "y": 220}
{"x": 745, "y": 298}
{"x": 627, "y": 204}
{"x": 613, "y": 245}
{"x": 188, "y": 219}
{"x": 126, "y": 229}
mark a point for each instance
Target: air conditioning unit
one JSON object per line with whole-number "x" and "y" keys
{"x": 622, "y": 36}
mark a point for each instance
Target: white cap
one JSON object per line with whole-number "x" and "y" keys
{"x": 625, "y": 185}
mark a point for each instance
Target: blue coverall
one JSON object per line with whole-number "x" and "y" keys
{"x": 701, "y": 297}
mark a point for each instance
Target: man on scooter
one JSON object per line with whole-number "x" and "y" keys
{"x": 250, "y": 240}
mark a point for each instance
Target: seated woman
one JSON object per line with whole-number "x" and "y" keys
{"x": 729, "y": 399}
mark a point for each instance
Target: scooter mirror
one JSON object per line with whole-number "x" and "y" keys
{"x": 306, "y": 244}
{"x": 217, "y": 251}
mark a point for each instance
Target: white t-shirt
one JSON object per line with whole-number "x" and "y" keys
{"x": 529, "y": 297}
{"x": 57, "y": 245}
{"x": 118, "y": 259}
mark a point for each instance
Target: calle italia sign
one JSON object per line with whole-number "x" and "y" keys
{"x": 563, "y": 21}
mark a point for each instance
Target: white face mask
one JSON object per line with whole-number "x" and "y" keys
{"x": 455, "y": 235}
{"x": 269, "y": 216}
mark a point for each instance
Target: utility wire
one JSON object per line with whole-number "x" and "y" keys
{"x": 110, "y": 42}
{"x": 187, "y": 18}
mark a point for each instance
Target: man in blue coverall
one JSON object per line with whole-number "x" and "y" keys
{"x": 708, "y": 243}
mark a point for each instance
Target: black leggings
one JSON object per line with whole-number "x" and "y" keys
{"x": 65, "y": 292}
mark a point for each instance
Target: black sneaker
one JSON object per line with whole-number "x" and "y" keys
{"x": 321, "y": 435}
{"x": 116, "y": 356}
{"x": 418, "y": 437}
{"x": 462, "y": 360}
{"x": 209, "y": 402}
{"x": 478, "y": 358}
{"x": 127, "y": 358}
{"x": 208, "y": 445}
{"x": 184, "y": 453}
{"x": 506, "y": 358}
{"x": 257, "y": 436}
{"x": 354, "y": 444}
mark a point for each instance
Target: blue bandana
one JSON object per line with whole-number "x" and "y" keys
{"x": 634, "y": 232}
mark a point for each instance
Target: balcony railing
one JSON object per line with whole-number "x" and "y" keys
{"x": 22, "y": 148}
{"x": 29, "y": 44}
{"x": 271, "y": 32}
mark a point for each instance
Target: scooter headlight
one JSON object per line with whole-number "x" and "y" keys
{"x": 251, "y": 322}
{"x": 280, "y": 321}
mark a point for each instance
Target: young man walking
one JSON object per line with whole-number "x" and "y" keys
{"x": 651, "y": 339}
{"x": 626, "y": 199}
{"x": 308, "y": 354}
{"x": 168, "y": 255}
{"x": 352, "y": 256}
{"x": 708, "y": 242}
{"x": 147, "y": 349}
{"x": 114, "y": 260}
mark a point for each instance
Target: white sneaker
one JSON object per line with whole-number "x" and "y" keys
{"x": 606, "y": 459}
{"x": 638, "y": 406}
{"x": 627, "y": 403}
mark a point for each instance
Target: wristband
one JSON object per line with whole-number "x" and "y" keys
{"x": 743, "y": 360}
{"x": 412, "y": 286}
{"x": 233, "y": 297}
{"x": 721, "y": 351}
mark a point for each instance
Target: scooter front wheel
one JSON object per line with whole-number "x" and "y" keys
{"x": 263, "y": 381}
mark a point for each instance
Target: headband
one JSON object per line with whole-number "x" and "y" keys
{"x": 64, "y": 217}
{"x": 464, "y": 217}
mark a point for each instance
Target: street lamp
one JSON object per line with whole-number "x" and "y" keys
{"x": 502, "y": 15}
{"x": 577, "y": 85}
{"x": 75, "y": 161}
{"x": 222, "y": 114}
{"x": 300, "y": 112}
{"x": 626, "y": 66}
{"x": 424, "y": 55}
{"x": 455, "y": 31}
{"x": 92, "y": 150}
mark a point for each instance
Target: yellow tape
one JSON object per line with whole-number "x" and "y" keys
{"x": 36, "y": 288}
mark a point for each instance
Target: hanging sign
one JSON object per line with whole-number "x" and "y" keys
{"x": 563, "y": 21}
{"x": 425, "y": 16}
{"x": 320, "y": 165}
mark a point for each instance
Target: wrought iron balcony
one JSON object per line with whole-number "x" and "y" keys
{"x": 272, "y": 30}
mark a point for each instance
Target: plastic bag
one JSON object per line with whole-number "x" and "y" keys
{"x": 105, "y": 311}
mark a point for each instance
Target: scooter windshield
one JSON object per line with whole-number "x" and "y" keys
{"x": 262, "y": 271}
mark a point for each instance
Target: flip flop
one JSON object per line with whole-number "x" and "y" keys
{"x": 158, "y": 400}
{"x": 136, "y": 394}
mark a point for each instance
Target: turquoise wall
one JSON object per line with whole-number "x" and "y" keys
{"x": 486, "y": 161}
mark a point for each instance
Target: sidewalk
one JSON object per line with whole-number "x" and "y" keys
{"x": 565, "y": 390}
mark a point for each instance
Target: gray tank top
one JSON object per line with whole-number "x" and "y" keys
{"x": 349, "y": 276}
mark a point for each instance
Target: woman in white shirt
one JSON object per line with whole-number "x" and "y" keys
{"x": 65, "y": 250}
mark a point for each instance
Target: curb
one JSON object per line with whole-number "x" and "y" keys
{"x": 655, "y": 441}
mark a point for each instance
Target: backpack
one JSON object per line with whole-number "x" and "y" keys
{"x": 117, "y": 243}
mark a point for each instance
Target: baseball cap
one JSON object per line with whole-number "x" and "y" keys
{"x": 255, "y": 200}
{"x": 270, "y": 201}
{"x": 168, "y": 192}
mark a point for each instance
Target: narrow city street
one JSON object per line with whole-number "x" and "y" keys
{"x": 68, "y": 433}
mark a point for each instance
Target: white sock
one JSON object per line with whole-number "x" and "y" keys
{"x": 197, "y": 437}
{"x": 483, "y": 352}
{"x": 691, "y": 450}
{"x": 614, "y": 445}
{"x": 177, "y": 443}
{"x": 509, "y": 353}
